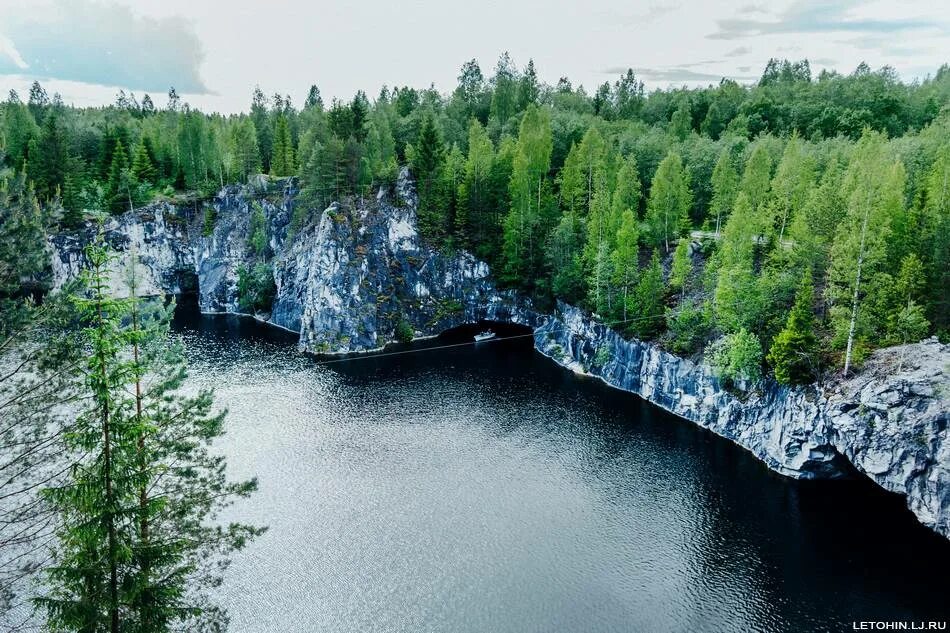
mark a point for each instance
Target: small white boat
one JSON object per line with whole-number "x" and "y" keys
{"x": 484, "y": 336}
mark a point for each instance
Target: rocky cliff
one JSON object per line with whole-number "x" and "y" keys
{"x": 889, "y": 422}
{"x": 358, "y": 272}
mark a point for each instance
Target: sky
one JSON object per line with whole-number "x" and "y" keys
{"x": 215, "y": 52}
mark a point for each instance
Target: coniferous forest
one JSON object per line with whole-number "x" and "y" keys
{"x": 818, "y": 205}
{"x": 780, "y": 230}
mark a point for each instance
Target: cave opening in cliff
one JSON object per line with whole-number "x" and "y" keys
{"x": 502, "y": 329}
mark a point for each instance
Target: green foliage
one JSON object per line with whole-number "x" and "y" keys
{"x": 23, "y": 254}
{"x": 670, "y": 199}
{"x": 137, "y": 548}
{"x": 737, "y": 298}
{"x": 756, "y": 179}
{"x": 257, "y": 232}
{"x": 725, "y": 183}
{"x": 737, "y": 357}
{"x": 404, "y": 331}
{"x": 142, "y": 169}
{"x": 256, "y": 288}
{"x": 207, "y": 225}
{"x": 794, "y": 351}
{"x": 682, "y": 265}
{"x": 647, "y": 301}
{"x": 525, "y": 224}
{"x": 689, "y": 325}
{"x": 428, "y": 163}
{"x": 282, "y": 161}
{"x": 875, "y": 186}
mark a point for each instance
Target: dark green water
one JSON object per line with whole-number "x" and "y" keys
{"x": 486, "y": 489}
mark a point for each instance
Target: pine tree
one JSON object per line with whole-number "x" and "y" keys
{"x": 87, "y": 584}
{"x": 314, "y": 100}
{"x": 137, "y": 550}
{"x": 670, "y": 199}
{"x": 794, "y": 350}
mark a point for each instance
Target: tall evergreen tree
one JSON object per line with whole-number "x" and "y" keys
{"x": 282, "y": 161}
{"x": 142, "y": 168}
{"x": 428, "y": 161}
{"x": 794, "y": 351}
{"x": 120, "y": 183}
{"x": 137, "y": 550}
{"x": 49, "y": 157}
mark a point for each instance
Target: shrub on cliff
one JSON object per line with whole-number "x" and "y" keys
{"x": 256, "y": 288}
{"x": 736, "y": 357}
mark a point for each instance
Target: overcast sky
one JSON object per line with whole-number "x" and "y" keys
{"x": 215, "y": 52}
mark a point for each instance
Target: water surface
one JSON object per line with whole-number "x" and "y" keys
{"x": 486, "y": 489}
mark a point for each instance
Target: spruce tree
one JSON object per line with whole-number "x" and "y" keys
{"x": 120, "y": 182}
{"x": 794, "y": 350}
{"x": 282, "y": 161}
{"x": 428, "y": 161}
{"x": 49, "y": 157}
{"x": 142, "y": 168}
{"x": 137, "y": 546}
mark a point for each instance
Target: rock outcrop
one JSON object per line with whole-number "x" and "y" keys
{"x": 156, "y": 234}
{"x": 890, "y": 422}
{"x": 348, "y": 281}
{"x": 358, "y": 273}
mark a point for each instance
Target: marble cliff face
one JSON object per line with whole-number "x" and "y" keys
{"x": 348, "y": 279}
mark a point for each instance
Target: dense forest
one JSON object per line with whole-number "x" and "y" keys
{"x": 784, "y": 228}
{"x": 787, "y": 226}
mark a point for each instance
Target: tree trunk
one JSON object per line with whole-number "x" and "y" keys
{"x": 857, "y": 285}
{"x": 107, "y": 472}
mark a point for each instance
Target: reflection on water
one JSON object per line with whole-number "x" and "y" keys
{"x": 486, "y": 489}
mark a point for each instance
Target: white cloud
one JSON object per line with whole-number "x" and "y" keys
{"x": 7, "y": 48}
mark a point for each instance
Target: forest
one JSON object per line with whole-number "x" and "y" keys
{"x": 787, "y": 227}
{"x": 782, "y": 229}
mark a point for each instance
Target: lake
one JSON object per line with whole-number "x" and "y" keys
{"x": 483, "y": 488}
